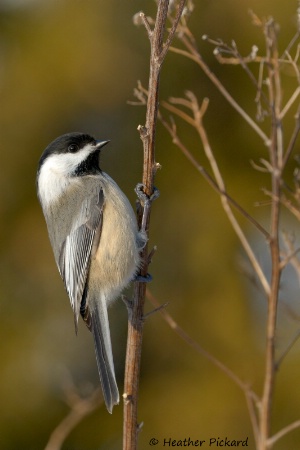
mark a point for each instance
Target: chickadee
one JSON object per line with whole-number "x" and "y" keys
{"x": 94, "y": 235}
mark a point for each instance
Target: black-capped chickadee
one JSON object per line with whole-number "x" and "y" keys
{"x": 94, "y": 235}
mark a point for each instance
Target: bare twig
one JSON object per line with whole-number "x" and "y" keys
{"x": 251, "y": 397}
{"x": 177, "y": 141}
{"x": 193, "y": 54}
{"x": 293, "y": 426}
{"x": 155, "y": 310}
{"x": 252, "y": 409}
{"x": 290, "y": 102}
{"x": 287, "y": 349}
{"x": 146, "y": 24}
{"x": 172, "y": 32}
{"x": 79, "y": 408}
{"x": 198, "y": 125}
{"x": 291, "y": 255}
{"x": 292, "y": 208}
{"x": 243, "y": 62}
{"x": 147, "y": 134}
{"x": 293, "y": 139}
{"x": 276, "y": 155}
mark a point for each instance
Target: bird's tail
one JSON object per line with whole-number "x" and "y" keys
{"x": 100, "y": 329}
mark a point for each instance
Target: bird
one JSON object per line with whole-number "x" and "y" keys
{"x": 94, "y": 235}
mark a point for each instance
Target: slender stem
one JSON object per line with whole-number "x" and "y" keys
{"x": 228, "y": 210}
{"x": 288, "y": 348}
{"x": 173, "y": 29}
{"x": 283, "y": 432}
{"x": 80, "y": 408}
{"x": 290, "y": 102}
{"x": 276, "y": 163}
{"x": 293, "y": 139}
{"x": 253, "y": 414}
{"x": 219, "y": 186}
{"x": 251, "y": 397}
{"x": 200, "y": 168}
{"x": 136, "y": 311}
{"x": 190, "y": 341}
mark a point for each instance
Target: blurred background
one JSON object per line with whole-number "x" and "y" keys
{"x": 72, "y": 65}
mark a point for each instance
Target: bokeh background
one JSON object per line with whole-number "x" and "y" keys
{"x": 69, "y": 65}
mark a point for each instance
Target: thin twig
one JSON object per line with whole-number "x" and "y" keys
{"x": 80, "y": 408}
{"x": 252, "y": 409}
{"x": 244, "y": 64}
{"x": 193, "y": 54}
{"x": 177, "y": 141}
{"x": 293, "y": 139}
{"x": 155, "y": 310}
{"x": 290, "y": 102}
{"x": 235, "y": 225}
{"x": 219, "y": 185}
{"x": 288, "y": 348}
{"x": 293, "y": 426}
{"x": 292, "y": 208}
{"x": 146, "y": 24}
{"x": 189, "y": 340}
{"x": 147, "y": 134}
{"x": 251, "y": 397}
{"x": 291, "y": 254}
{"x": 172, "y": 32}
{"x": 276, "y": 155}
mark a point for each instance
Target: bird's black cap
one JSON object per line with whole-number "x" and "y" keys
{"x": 70, "y": 143}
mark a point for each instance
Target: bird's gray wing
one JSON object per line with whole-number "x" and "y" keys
{"x": 77, "y": 249}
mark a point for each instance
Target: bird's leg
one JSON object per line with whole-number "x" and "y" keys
{"x": 146, "y": 201}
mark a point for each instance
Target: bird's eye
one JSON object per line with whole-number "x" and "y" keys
{"x": 73, "y": 148}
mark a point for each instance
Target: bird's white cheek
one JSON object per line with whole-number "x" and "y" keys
{"x": 56, "y": 174}
{"x": 51, "y": 187}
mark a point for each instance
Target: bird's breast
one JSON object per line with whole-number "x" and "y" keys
{"x": 117, "y": 258}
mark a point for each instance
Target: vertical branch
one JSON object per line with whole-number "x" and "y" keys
{"x": 147, "y": 134}
{"x": 276, "y": 155}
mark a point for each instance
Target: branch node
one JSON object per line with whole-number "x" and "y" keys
{"x": 127, "y": 398}
{"x": 143, "y": 131}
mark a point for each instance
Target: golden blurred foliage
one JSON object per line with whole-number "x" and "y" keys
{"x": 72, "y": 65}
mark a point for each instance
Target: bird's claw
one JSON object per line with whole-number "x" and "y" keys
{"x": 144, "y": 198}
{"x": 143, "y": 279}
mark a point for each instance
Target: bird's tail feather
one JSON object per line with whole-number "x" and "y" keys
{"x": 101, "y": 334}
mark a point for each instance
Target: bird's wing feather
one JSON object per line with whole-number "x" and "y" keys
{"x": 77, "y": 249}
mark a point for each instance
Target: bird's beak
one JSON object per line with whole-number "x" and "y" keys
{"x": 100, "y": 144}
